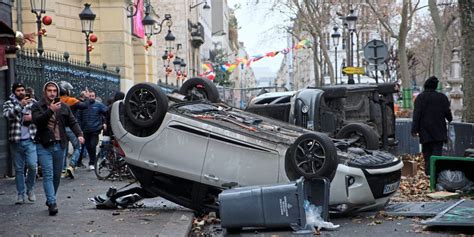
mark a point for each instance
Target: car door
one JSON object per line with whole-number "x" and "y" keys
{"x": 232, "y": 162}
{"x": 179, "y": 150}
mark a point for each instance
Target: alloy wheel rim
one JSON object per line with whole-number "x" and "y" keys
{"x": 144, "y": 105}
{"x": 310, "y": 156}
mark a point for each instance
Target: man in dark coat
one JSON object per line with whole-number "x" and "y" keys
{"x": 429, "y": 120}
{"x": 93, "y": 119}
{"x": 51, "y": 118}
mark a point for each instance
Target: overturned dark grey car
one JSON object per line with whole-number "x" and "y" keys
{"x": 363, "y": 112}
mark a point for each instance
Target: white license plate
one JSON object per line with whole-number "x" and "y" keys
{"x": 390, "y": 188}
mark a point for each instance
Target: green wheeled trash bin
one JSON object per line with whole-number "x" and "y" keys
{"x": 279, "y": 205}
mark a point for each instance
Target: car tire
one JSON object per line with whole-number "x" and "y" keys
{"x": 146, "y": 105}
{"x": 313, "y": 155}
{"x": 367, "y": 138}
{"x": 198, "y": 88}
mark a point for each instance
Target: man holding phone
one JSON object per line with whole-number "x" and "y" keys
{"x": 51, "y": 117}
{"x": 17, "y": 109}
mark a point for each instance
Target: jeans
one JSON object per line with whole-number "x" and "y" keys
{"x": 51, "y": 161}
{"x": 92, "y": 139}
{"x": 24, "y": 153}
{"x": 82, "y": 153}
{"x": 77, "y": 148}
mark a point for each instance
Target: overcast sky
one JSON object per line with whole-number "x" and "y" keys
{"x": 259, "y": 32}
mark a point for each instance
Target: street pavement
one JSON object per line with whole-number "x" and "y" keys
{"x": 78, "y": 216}
{"x": 362, "y": 224}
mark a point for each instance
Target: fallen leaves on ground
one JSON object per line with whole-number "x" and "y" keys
{"x": 201, "y": 224}
{"x": 414, "y": 189}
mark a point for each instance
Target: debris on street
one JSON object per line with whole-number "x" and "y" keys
{"x": 415, "y": 188}
{"x": 443, "y": 195}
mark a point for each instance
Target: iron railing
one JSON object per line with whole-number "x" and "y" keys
{"x": 34, "y": 70}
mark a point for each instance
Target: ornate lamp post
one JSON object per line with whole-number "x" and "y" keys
{"x": 38, "y": 7}
{"x": 149, "y": 23}
{"x": 87, "y": 21}
{"x": 351, "y": 20}
{"x": 166, "y": 65}
{"x": 335, "y": 39}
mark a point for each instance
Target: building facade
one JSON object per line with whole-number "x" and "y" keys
{"x": 118, "y": 45}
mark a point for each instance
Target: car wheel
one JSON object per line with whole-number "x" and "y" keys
{"x": 363, "y": 135}
{"x": 146, "y": 105}
{"x": 198, "y": 88}
{"x": 313, "y": 155}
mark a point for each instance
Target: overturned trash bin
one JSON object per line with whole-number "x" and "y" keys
{"x": 280, "y": 205}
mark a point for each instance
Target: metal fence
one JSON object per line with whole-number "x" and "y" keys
{"x": 407, "y": 144}
{"x": 460, "y": 138}
{"x": 34, "y": 70}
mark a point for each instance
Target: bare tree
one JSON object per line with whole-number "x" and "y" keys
{"x": 422, "y": 39}
{"x": 407, "y": 14}
{"x": 466, "y": 8}
{"x": 311, "y": 17}
{"x": 441, "y": 24}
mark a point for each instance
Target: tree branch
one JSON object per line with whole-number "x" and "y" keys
{"x": 381, "y": 20}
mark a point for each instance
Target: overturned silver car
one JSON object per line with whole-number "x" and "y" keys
{"x": 188, "y": 151}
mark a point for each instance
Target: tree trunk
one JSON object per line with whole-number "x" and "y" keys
{"x": 326, "y": 59}
{"x": 466, "y": 7}
{"x": 317, "y": 79}
{"x": 439, "y": 41}
{"x": 402, "y": 54}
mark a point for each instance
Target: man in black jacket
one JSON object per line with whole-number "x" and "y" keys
{"x": 51, "y": 117}
{"x": 429, "y": 120}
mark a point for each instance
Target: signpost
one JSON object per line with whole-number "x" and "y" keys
{"x": 376, "y": 52}
{"x": 353, "y": 70}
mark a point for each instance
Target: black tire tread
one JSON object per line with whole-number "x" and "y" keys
{"x": 371, "y": 137}
{"x": 209, "y": 87}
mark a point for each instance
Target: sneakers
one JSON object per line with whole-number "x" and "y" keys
{"x": 64, "y": 174}
{"x": 52, "y": 208}
{"x": 31, "y": 196}
{"x": 20, "y": 200}
{"x": 70, "y": 172}
{"x": 91, "y": 167}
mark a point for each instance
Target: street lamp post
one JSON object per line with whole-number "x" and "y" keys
{"x": 87, "y": 21}
{"x": 38, "y": 7}
{"x": 351, "y": 20}
{"x": 166, "y": 65}
{"x": 169, "y": 38}
{"x": 335, "y": 38}
{"x": 149, "y": 23}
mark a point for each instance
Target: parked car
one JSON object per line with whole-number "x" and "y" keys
{"x": 362, "y": 112}
{"x": 188, "y": 151}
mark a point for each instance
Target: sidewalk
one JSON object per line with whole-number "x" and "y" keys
{"x": 78, "y": 216}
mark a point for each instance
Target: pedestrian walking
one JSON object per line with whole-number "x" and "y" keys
{"x": 429, "y": 120}
{"x": 51, "y": 117}
{"x": 93, "y": 120}
{"x": 17, "y": 109}
{"x": 83, "y": 97}
{"x": 65, "y": 91}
